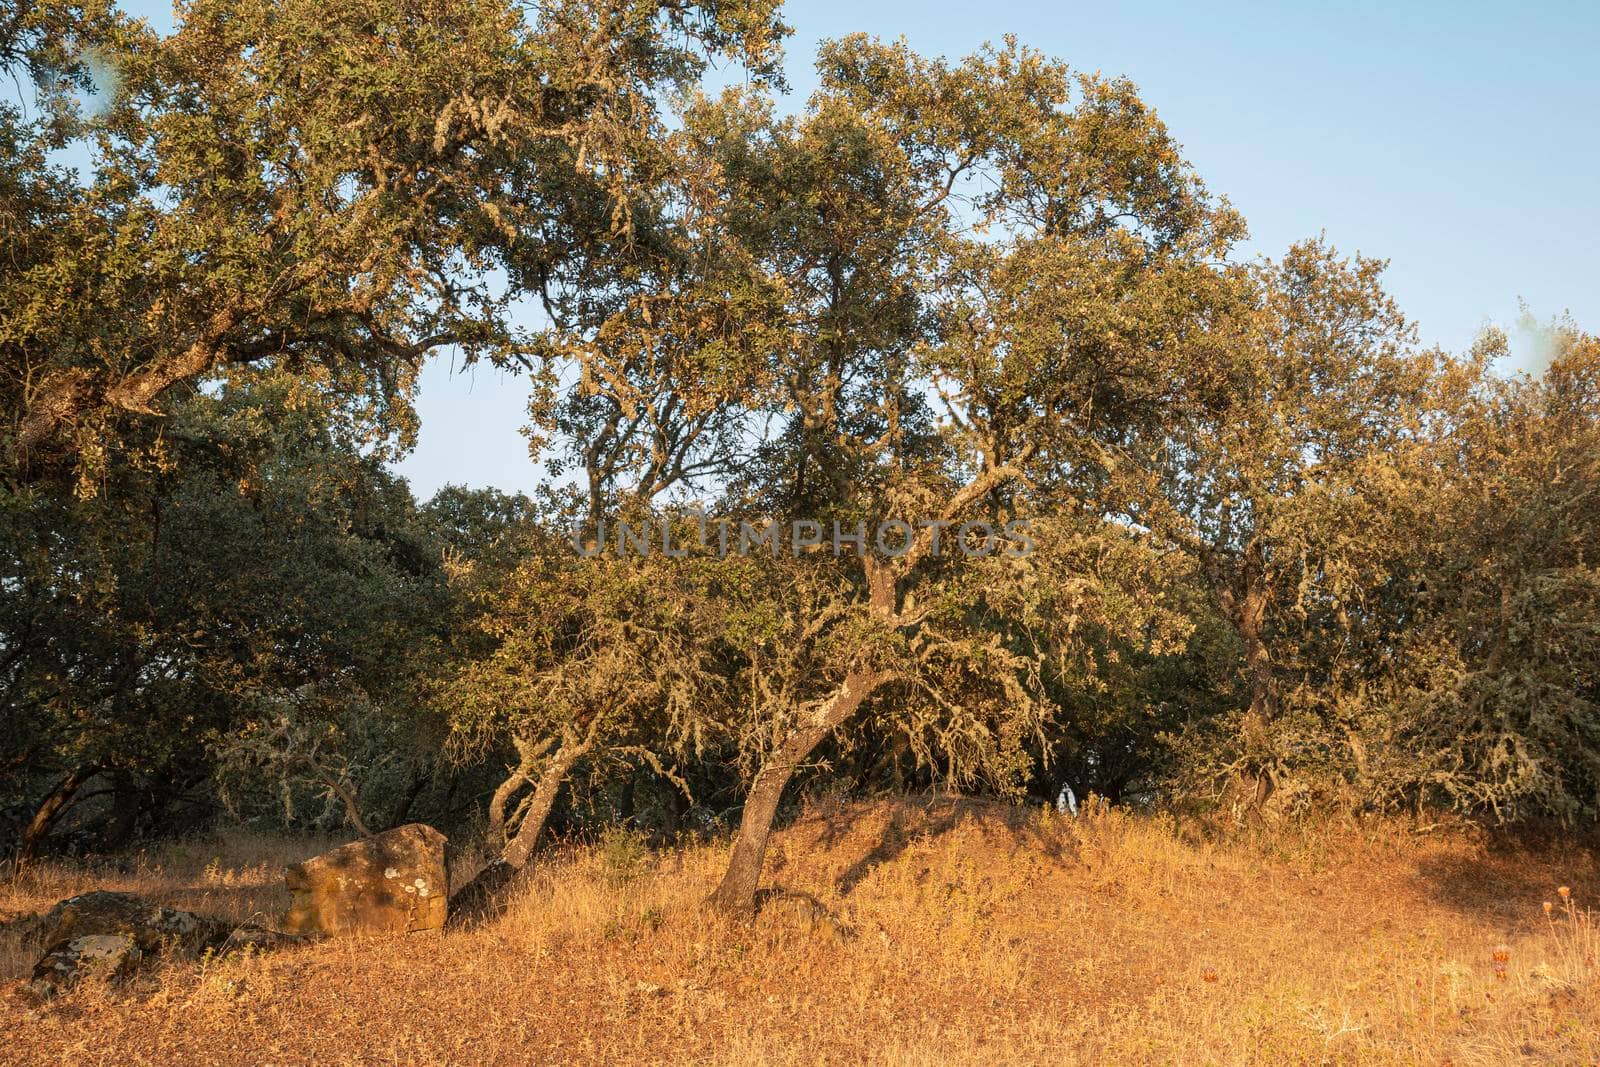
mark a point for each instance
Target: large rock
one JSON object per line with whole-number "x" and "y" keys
{"x": 153, "y": 928}
{"x": 391, "y": 883}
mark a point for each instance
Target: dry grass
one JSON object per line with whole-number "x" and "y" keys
{"x": 948, "y": 932}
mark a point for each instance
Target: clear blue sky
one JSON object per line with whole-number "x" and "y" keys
{"x": 1460, "y": 141}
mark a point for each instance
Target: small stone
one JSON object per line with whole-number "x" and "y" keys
{"x": 353, "y": 889}
{"x": 258, "y": 938}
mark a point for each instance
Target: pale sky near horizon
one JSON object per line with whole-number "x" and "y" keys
{"x": 1459, "y": 141}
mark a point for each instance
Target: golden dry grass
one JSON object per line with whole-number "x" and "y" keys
{"x": 944, "y": 932}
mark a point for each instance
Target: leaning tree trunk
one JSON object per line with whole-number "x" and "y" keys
{"x": 477, "y": 898}
{"x": 737, "y": 893}
{"x": 531, "y": 828}
{"x": 49, "y": 812}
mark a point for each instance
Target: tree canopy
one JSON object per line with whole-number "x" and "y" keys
{"x": 931, "y": 432}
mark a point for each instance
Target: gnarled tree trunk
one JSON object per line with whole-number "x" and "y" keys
{"x": 475, "y": 899}
{"x": 50, "y": 810}
{"x": 737, "y": 892}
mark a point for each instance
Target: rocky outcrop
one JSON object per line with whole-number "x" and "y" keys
{"x": 109, "y": 955}
{"x": 390, "y": 883}
{"x": 153, "y": 928}
{"x": 111, "y": 934}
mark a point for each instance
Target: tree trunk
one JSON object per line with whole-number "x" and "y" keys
{"x": 126, "y": 802}
{"x": 346, "y": 795}
{"x": 674, "y": 806}
{"x": 402, "y": 812}
{"x": 520, "y": 847}
{"x": 1263, "y": 694}
{"x": 475, "y": 899}
{"x": 1244, "y": 597}
{"x": 736, "y": 894}
{"x": 528, "y": 757}
{"x": 49, "y": 812}
{"x": 627, "y": 803}
{"x": 1258, "y": 658}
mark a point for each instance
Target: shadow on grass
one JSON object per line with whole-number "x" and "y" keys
{"x": 1514, "y": 871}
{"x": 912, "y": 819}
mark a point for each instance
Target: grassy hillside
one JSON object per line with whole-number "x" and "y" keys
{"x": 914, "y": 932}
